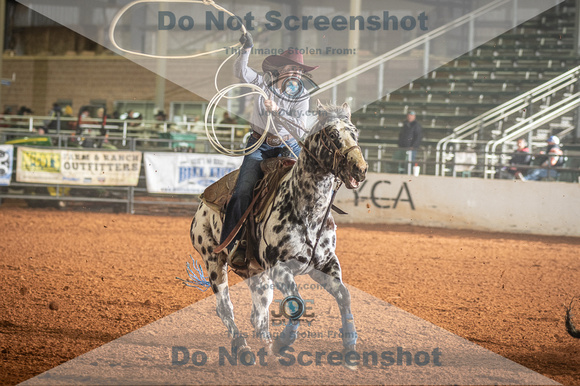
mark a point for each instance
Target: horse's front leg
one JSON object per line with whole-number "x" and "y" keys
{"x": 262, "y": 291}
{"x": 330, "y": 277}
{"x": 283, "y": 280}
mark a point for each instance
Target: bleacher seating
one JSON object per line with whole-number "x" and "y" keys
{"x": 517, "y": 61}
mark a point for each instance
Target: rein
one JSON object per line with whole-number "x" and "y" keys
{"x": 338, "y": 158}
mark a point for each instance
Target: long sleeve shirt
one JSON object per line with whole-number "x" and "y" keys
{"x": 291, "y": 109}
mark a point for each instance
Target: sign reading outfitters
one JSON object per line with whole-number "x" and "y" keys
{"x": 78, "y": 167}
{"x": 184, "y": 173}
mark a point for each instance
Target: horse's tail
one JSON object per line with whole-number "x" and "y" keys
{"x": 197, "y": 279}
{"x": 569, "y": 325}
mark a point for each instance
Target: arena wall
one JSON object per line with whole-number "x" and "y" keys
{"x": 41, "y": 81}
{"x": 546, "y": 208}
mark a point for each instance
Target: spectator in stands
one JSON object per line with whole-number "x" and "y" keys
{"x": 521, "y": 156}
{"x": 161, "y": 118}
{"x": 23, "y": 110}
{"x": 55, "y": 113}
{"x": 411, "y": 135}
{"x": 85, "y": 118}
{"x": 227, "y": 120}
{"x": 6, "y": 121}
{"x": 552, "y": 157}
{"x": 136, "y": 117}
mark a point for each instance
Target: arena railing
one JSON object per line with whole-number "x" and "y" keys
{"x": 514, "y": 107}
{"x": 530, "y": 124}
{"x": 381, "y": 159}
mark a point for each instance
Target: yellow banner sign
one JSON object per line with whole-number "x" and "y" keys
{"x": 78, "y": 167}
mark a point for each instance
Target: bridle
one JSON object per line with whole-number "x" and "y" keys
{"x": 339, "y": 155}
{"x": 339, "y": 158}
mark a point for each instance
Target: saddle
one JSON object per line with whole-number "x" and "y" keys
{"x": 217, "y": 196}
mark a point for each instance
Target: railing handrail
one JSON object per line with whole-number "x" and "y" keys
{"x": 515, "y": 104}
{"x": 533, "y": 122}
{"x": 427, "y": 37}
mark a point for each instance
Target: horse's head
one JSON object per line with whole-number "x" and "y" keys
{"x": 334, "y": 142}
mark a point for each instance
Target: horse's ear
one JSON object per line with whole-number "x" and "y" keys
{"x": 346, "y": 108}
{"x": 319, "y": 105}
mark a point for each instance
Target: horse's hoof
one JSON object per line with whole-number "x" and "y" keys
{"x": 352, "y": 363}
{"x": 277, "y": 346}
{"x": 238, "y": 343}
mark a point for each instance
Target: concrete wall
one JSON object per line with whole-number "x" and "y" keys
{"x": 546, "y": 208}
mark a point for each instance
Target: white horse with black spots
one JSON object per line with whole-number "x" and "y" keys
{"x": 299, "y": 237}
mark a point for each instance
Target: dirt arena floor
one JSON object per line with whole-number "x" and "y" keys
{"x": 72, "y": 281}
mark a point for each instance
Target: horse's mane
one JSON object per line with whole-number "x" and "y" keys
{"x": 328, "y": 113}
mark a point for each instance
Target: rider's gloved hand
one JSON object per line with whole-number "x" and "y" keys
{"x": 247, "y": 41}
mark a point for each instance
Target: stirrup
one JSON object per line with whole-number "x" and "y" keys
{"x": 239, "y": 255}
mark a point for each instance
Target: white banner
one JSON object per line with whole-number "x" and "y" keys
{"x": 6, "y": 157}
{"x": 184, "y": 173}
{"x": 78, "y": 167}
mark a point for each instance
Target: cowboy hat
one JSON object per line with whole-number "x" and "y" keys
{"x": 288, "y": 57}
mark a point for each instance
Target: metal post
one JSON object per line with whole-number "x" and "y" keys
{"x": 577, "y": 118}
{"x": 2, "y": 26}
{"x": 161, "y": 66}
{"x": 124, "y": 133}
{"x": 381, "y": 81}
{"x": 471, "y": 40}
{"x": 515, "y": 20}
{"x": 426, "y": 57}
{"x": 353, "y": 45}
{"x": 576, "y": 29}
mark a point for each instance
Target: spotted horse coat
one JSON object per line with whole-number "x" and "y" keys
{"x": 289, "y": 233}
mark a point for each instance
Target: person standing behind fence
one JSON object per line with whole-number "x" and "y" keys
{"x": 553, "y": 157}
{"x": 411, "y": 136}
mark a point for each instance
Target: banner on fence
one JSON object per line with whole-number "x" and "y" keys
{"x": 183, "y": 173}
{"x": 78, "y": 167}
{"x": 6, "y": 156}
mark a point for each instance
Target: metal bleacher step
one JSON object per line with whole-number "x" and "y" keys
{"x": 517, "y": 61}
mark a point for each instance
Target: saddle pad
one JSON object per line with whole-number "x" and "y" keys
{"x": 217, "y": 195}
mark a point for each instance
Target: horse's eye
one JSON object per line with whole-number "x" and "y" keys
{"x": 333, "y": 135}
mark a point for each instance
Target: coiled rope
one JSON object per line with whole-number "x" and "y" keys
{"x": 221, "y": 93}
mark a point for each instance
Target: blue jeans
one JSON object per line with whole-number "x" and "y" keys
{"x": 250, "y": 174}
{"x": 537, "y": 174}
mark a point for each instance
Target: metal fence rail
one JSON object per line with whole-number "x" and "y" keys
{"x": 381, "y": 158}
{"x": 519, "y": 107}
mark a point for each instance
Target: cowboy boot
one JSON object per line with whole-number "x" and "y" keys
{"x": 237, "y": 256}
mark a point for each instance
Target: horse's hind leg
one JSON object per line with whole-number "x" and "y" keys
{"x": 217, "y": 270}
{"x": 262, "y": 292}
{"x": 330, "y": 277}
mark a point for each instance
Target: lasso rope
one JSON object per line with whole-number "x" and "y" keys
{"x": 197, "y": 279}
{"x": 213, "y": 103}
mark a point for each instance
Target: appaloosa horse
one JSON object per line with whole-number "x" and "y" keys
{"x": 298, "y": 237}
